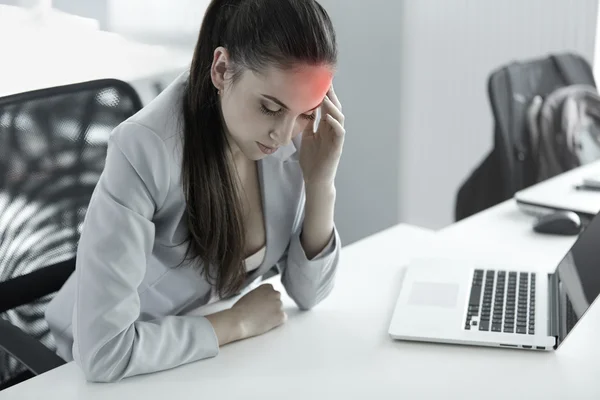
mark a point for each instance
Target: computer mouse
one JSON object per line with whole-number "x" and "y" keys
{"x": 559, "y": 223}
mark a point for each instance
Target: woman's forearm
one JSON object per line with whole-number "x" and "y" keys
{"x": 318, "y": 219}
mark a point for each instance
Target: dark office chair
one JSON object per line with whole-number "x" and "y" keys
{"x": 511, "y": 164}
{"x": 52, "y": 151}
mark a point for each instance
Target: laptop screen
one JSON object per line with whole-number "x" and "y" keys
{"x": 579, "y": 278}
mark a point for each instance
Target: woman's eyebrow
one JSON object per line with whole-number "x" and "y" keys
{"x": 282, "y": 104}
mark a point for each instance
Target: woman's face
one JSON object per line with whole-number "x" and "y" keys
{"x": 265, "y": 111}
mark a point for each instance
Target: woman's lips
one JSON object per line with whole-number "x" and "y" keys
{"x": 266, "y": 149}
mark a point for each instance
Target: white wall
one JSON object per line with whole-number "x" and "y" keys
{"x": 596, "y": 65}
{"x": 368, "y": 84}
{"x": 412, "y": 79}
{"x": 172, "y": 22}
{"x": 448, "y": 49}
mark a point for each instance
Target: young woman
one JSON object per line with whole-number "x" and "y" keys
{"x": 226, "y": 175}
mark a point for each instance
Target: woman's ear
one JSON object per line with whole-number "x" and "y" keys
{"x": 219, "y": 67}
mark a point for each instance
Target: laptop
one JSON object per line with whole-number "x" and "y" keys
{"x": 447, "y": 301}
{"x": 576, "y": 190}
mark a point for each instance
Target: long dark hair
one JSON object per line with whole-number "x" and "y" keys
{"x": 257, "y": 34}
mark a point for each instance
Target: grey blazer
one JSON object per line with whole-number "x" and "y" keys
{"x": 123, "y": 312}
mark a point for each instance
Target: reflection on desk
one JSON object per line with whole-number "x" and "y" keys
{"x": 579, "y": 277}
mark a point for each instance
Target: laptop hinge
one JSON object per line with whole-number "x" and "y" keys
{"x": 554, "y": 308}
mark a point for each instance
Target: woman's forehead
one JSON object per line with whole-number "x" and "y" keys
{"x": 301, "y": 88}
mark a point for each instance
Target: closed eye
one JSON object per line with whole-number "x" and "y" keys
{"x": 265, "y": 110}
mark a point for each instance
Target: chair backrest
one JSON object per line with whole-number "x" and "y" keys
{"x": 510, "y": 165}
{"x": 511, "y": 90}
{"x": 53, "y": 146}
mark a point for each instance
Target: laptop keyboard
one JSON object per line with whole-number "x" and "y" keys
{"x": 502, "y": 301}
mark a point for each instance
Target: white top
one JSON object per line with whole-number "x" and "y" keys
{"x": 255, "y": 260}
{"x": 252, "y": 262}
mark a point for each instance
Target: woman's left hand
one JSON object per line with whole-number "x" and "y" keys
{"x": 321, "y": 150}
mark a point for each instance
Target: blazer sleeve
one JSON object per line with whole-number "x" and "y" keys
{"x": 110, "y": 343}
{"x": 309, "y": 281}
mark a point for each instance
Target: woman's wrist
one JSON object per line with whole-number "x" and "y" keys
{"x": 228, "y": 326}
{"x": 318, "y": 218}
{"x": 319, "y": 190}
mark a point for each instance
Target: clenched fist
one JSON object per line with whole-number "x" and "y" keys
{"x": 259, "y": 311}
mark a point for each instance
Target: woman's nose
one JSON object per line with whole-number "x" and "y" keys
{"x": 282, "y": 134}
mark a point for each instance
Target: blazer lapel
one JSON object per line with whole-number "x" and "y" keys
{"x": 279, "y": 195}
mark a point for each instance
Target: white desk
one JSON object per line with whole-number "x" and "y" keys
{"x": 341, "y": 350}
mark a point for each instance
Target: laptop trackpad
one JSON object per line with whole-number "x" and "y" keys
{"x": 434, "y": 294}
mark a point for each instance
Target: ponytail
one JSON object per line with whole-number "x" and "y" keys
{"x": 214, "y": 212}
{"x": 256, "y": 34}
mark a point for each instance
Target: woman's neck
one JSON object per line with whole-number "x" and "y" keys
{"x": 236, "y": 156}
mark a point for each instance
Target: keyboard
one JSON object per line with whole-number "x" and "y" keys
{"x": 502, "y": 301}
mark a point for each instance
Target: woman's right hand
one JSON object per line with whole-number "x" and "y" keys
{"x": 255, "y": 313}
{"x": 259, "y": 311}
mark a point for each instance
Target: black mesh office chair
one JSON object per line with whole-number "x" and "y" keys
{"x": 52, "y": 151}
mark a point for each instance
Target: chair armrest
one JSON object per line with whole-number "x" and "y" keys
{"x": 27, "y": 350}
{"x": 30, "y": 287}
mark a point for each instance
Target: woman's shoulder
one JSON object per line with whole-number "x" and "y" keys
{"x": 150, "y": 141}
{"x": 154, "y": 132}
{"x": 163, "y": 115}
